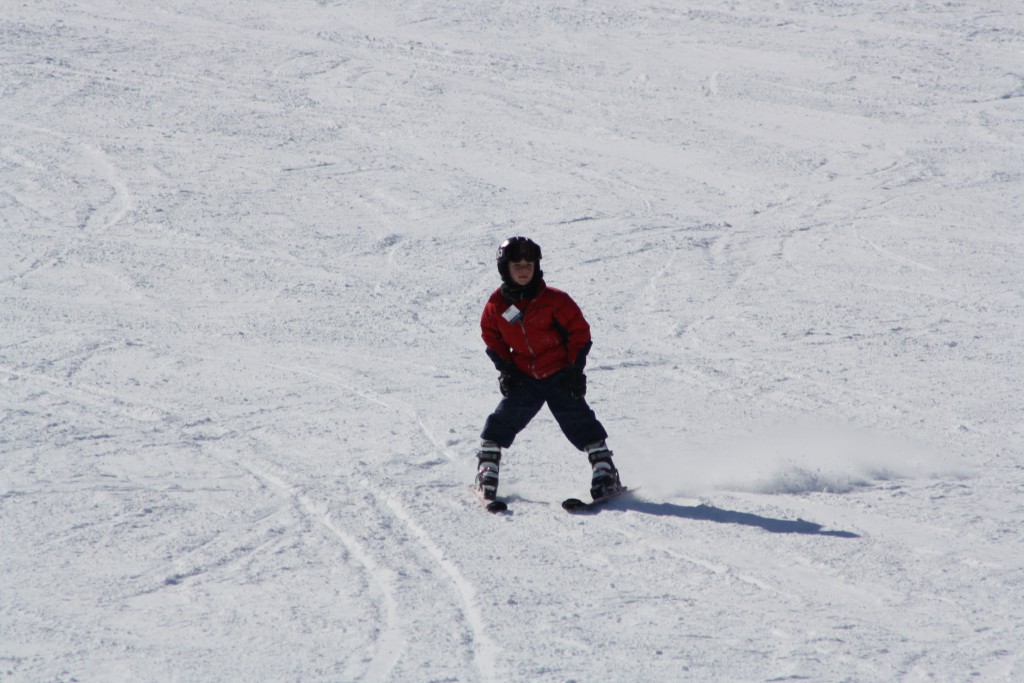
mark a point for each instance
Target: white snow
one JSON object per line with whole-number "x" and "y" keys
{"x": 244, "y": 247}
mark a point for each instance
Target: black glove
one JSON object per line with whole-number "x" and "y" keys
{"x": 574, "y": 382}
{"x": 508, "y": 380}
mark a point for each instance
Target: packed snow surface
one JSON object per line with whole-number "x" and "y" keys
{"x": 244, "y": 247}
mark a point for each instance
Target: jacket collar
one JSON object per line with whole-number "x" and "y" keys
{"x": 513, "y": 292}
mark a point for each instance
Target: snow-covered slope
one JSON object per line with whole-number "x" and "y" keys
{"x": 244, "y": 251}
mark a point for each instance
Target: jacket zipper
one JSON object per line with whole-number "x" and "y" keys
{"x": 533, "y": 356}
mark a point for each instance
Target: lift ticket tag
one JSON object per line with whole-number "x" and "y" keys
{"x": 512, "y": 315}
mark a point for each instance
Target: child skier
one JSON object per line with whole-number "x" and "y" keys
{"x": 539, "y": 340}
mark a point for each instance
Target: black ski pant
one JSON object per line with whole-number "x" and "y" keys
{"x": 524, "y": 401}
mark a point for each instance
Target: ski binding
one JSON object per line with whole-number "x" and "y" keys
{"x": 493, "y": 506}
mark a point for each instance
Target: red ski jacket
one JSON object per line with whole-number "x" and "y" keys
{"x": 541, "y": 335}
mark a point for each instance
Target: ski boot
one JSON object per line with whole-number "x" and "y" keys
{"x": 605, "y": 479}
{"x": 489, "y": 456}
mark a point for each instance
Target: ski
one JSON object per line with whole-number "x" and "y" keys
{"x": 575, "y": 505}
{"x": 492, "y": 506}
{"x": 496, "y": 506}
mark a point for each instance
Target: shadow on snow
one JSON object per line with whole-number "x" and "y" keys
{"x": 707, "y": 513}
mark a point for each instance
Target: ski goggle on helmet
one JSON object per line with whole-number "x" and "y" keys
{"x": 518, "y": 249}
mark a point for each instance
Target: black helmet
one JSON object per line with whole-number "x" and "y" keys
{"x": 517, "y": 249}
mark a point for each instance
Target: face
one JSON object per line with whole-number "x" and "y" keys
{"x": 521, "y": 271}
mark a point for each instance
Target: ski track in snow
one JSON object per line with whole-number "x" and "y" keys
{"x": 120, "y": 200}
{"x": 393, "y": 639}
{"x": 244, "y": 253}
{"x": 484, "y": 647}
{"x": 899, "y": 259}
{"x": 484, "y": 650}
